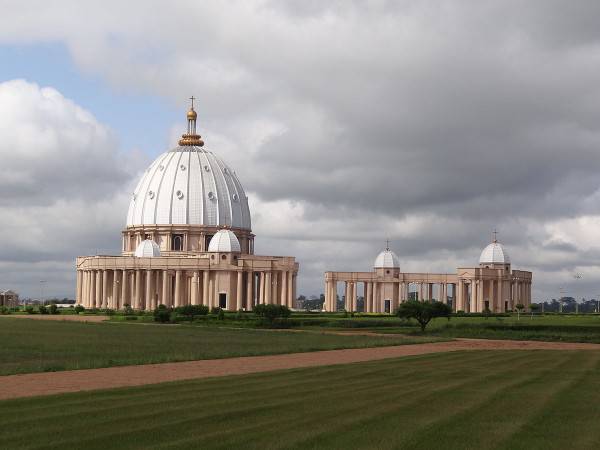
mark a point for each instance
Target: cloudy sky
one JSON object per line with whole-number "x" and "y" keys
{"x": 428, "y": 123}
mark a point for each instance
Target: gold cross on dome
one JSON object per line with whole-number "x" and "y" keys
{"x": 192, "y": 98}
{"x": 495, "y": 233}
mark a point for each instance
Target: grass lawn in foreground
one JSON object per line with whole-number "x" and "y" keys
{"x": 463, "y": 400}
{"x": 39, "y": 345}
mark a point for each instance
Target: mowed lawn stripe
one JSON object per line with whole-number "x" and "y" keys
{"x": 41, "y": 346}
{"x": 491, "y": 423}
{"x": 570, "y": 419}
{"x": 415, "y": 402}
{"x": 396, "y": 423}
{"x": 144, "y": 409}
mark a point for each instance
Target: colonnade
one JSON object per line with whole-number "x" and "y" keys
{"x": 497, "y": 295}
{"x": 148, "y": 288}
{"x": 377, "y": 293}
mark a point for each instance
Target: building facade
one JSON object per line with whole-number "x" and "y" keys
{"x": 9, "y": 298}
{"x": 188, "y": 240}
{"x": 492, "y": 285}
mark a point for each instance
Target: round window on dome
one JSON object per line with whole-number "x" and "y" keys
{"x": 182, "y": 167}
{"x": 151, "y": 194}
{"x": 179, "y": 195}
{"x": 235, "y": 197}
{"x": 206, "y": 169}
{"x": 226, "y": 171}
{"x": 211, "y": 195}
{"x": 161, "y": 167}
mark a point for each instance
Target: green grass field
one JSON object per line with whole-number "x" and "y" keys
{"x": 468, "y": 400}
{"x": 39, "y": 345}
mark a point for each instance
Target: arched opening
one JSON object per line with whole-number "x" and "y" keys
{"x": 177, "y": 242}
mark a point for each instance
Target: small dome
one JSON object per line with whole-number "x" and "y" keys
{"x": 387, "y": 259}
{"x": 192, "y": 114}
{"x": 494, "y": 254}
{"x": 224, "y": 241}
{"x": 147, "y": 249}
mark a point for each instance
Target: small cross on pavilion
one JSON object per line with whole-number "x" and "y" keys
{"x": 387, "y": 244}
{"x": 495, "y": 233}
{"x": 192, "y": 98}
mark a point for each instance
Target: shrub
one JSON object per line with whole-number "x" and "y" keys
{"x": 109, "y": 312}
{"x": 162, "y": 314}
{"x": 191, "y": 311}
{"x": 29, "y": 309}
{"x": 128, "y": 310}
{"x": 42, "y": 309}
{"x": 215, "y": 310}
{"x": 79, "y": 309}
{"x": 53, "y": 309}
{"x": 130, "y": 317}
{"x": 4, "y": 310}
{"x": 221, "y": 314}
{"x": 271, "y": 312}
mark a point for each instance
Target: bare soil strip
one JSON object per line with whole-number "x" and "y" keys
{"x": 65, "y": 317}
{"x": 29, "y": 385}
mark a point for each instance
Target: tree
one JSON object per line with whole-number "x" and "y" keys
{"x": 533, "y": 307}
{"x": 423, "y": 312}
{"x": 191, "y": 311}
{"x": 79, "y": 309}
{"x": 520, "y": 307}
{"x": 272, "y": 312}
{"x": 162, "y": 314}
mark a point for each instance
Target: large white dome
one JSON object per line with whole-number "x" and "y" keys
{"x": 494, "y": 254}
{"x": 189, "y": 186}
{"x": 387, "y": 259}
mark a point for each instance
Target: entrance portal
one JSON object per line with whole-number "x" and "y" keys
{"x": 387, "y": 304}
{"x": 223, "y": 301}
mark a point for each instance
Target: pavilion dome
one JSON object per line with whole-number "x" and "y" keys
{"x": 494, "y": 253}
{"x": 224, "y": 241}
{"x": 147, "y": 249}
{"x": 387, "y": 259}
{"x": 189, "y": 185}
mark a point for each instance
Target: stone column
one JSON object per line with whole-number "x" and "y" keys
{"x": 240, "y": 293}
{"x": 123, "y": 298}
{"x": 285, "y": 299}
{"x": 268, "y": 288}
{"x": 92, "y": 288}
{"x": 205, "y": 286}
{"x": 369, "y": 306}
{"x": 249, "y": 291}
{"x": 275, "y": 287}
{"x": 104, "y": 297}
{"x": 261, "y": 288}
{"x": 195, "y": 287}
{"x": 500, "y": 295}
{"x": 138, "y": 290}
{"x": 353, "y": 303}
{"x": 149, "y": 294}
{"x": 291, "y": 289}
{"x": 116, "y": 289}
{"x": 165, "y": 288}
{"x": 375, "y": 306}
{"x": 178, "y": 286}
{"x": 79, "y": 286}
{"x": 460, "y": 306}
{"x": 99, "y": 293}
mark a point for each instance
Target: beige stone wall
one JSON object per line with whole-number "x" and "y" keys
{"x": 144, "y": 283}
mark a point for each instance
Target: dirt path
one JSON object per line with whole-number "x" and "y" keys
{"x": 28, "y": 385}
{"x": 65, "y": 317}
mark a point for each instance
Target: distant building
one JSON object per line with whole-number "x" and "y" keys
{"x": 490, "y": 286}
{"x": 9, "y": 298}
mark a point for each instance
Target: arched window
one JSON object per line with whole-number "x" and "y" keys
{"x": 177, "y": 242}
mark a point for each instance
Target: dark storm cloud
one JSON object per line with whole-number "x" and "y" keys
{"x": 426, "y": 122}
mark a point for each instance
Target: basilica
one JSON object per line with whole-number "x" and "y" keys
{"x": 188, "y": 240}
